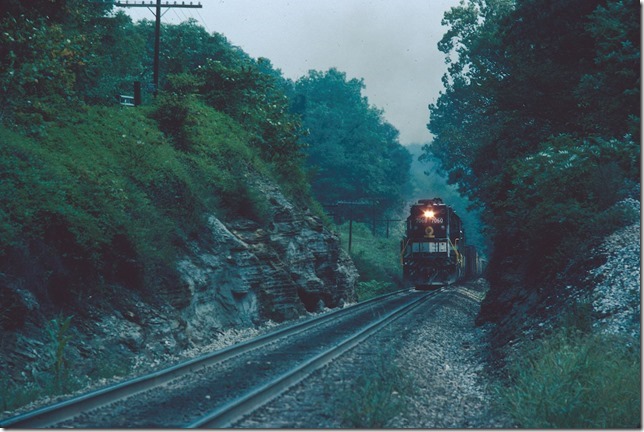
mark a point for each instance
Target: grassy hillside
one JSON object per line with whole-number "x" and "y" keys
{"x": 104, "y": 189}
{"x": 377, "y": 259}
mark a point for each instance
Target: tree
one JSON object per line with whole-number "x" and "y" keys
{"x": 549, "y": 84}
{"x": 475, "y": 54}
{"x": 353, "y": 152}
{"x": 608, "y": 93}
{"x": 64, "y": 50}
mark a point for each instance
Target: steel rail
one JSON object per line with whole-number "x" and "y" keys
{"x": 232, "y": 411}
{"x": 52, "y": 414}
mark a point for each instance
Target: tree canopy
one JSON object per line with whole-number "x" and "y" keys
{"x": 354, "y": 152}
{"x": 88, "y": 177}
{"x": 539, "y": 121}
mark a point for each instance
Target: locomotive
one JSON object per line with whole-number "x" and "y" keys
{"x": 433, "y": 250}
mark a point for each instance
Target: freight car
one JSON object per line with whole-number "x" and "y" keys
{"x": 433, "y": 250}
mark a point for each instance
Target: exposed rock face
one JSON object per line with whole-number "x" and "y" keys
{"x": 236, "y": 274}
{"x": 242, "y": 273}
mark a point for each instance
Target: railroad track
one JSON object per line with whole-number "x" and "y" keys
{"x": 216, "y": 389}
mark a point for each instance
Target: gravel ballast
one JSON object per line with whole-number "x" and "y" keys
{"x": 437, "y": 349}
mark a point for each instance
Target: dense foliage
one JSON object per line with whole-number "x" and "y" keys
{"x": 115, "y": 206}
{"x": 539, "y": 122}
{"x": 354, "y": 152}
{"x": 116, "y": 192}
{"x": 98, "y": 195}
{"x": 377, "y": 257}
{"x": 65, "y": 49}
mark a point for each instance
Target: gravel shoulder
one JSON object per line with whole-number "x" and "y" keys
{"x": 439, "y": 352}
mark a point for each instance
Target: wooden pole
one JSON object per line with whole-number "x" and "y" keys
{"x": 157, "y": 29}
{"x": 157, "y": 42}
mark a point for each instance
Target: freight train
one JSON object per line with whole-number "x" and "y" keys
{"x": 433, "y": 250}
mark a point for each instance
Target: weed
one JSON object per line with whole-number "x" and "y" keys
{"x": 56, "y": 381}
{"x": 579, "y": 318}
{"x": 373, "y": 288}
{"x": 12, "y": 396}
{"x": 373, "y": 399}
{"x": 58, "y": 332}
{"x": 575, "y": 380}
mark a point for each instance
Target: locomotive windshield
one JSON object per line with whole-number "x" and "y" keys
{"x": 428, "y": 222}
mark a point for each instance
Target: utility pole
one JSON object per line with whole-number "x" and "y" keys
{"x": 388, "y": 221}
{"x": 352, "y": 205}
{"x": 157, "y": 27}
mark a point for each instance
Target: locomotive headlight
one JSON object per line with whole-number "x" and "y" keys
{"x": 428, "y": 214}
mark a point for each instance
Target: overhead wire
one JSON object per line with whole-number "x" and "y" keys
{"x": 178, "y": 17}
{"x": 185, "y": 17}
{"x": 202, "y": 20}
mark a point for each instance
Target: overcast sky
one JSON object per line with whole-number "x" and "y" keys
{"x": 391, "y": 44}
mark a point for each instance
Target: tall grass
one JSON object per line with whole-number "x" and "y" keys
{"x": 377, "y": 259}
{"x": 59, "y": 337}
{"x": 373, "y": 288}
{"x": 572, "y": 379}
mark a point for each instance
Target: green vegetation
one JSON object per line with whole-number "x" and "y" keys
{"x": 56, "y": 380}
{"x": 353, "y": 152}
{"x": 58, "y": 377}
{"x": 99, "y": 198}
{"x": 376, "y": 258}
{"x": 13, "y": 396}
{"x": 58, "y": 331}
{"x": 374, "y": 397}
{"x": 537, "y": 97}
{"x": 574, "y": 380}
{"x": 539, "y": 124}
{"x": 126, "y": 194}
{"x": 116, "y": 192}
{"x": 373, "y": 288}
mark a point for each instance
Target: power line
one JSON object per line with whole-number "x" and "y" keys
{"x": 157, "y": 29}
{"x": 203, "y": 21}
{"x": 149, "y": 4}
{"x": 177, "y": 15}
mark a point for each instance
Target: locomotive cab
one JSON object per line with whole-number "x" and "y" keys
{"x": 432, "y": 249}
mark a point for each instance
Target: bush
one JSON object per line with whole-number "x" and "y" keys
{"x": 555, "y": 222}
{"x": 575, "y": 380}
{"x": 58, "y": 332}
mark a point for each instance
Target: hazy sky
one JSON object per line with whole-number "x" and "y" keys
{"x": 391, "y": 44}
